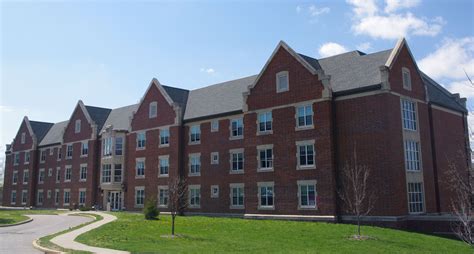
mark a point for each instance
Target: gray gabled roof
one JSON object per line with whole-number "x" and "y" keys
{"x": 440, "y": 96}
{"x": 98, "y": 115}
{"x": 40, "y": 129}
{"x": 178, "y": 95}
{"x": 55, "y": 134}
{"x": 119, "y": 118}
{"x": 217, "y": 99}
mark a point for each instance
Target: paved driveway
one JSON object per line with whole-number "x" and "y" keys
{"x": 17, "y": 239}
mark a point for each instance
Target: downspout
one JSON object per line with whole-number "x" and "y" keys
{"x": 434, "y": 159}
{"x": 335, "y": 160}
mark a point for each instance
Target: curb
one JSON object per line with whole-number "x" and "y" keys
{"x": 18, "y": 223}
{"x": 44, "y": 249}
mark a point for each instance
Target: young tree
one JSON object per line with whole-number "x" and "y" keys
{"x": 354, "y": 192}
{"x": 177, "y": 198}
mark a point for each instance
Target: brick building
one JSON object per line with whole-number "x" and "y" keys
{"x": 271, "y": 144}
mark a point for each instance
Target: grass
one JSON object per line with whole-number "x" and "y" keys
{"x": 46, "y": 240}
{"x": 16, "y": 216}
{"x": 133, "y": 233}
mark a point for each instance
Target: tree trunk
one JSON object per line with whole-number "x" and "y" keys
{"x": 172, "y": 224}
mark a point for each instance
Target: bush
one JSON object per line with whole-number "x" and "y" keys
{"x": 85, "y": 208}
{"x": 150, "y": 210}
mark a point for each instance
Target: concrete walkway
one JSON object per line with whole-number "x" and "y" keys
{"x": 68, "y": 240}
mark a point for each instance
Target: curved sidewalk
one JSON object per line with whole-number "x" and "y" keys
{"x": 68, "y": 240}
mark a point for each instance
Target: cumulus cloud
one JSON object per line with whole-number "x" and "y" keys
{"x": 394, "y": 5}
{"x": 312, "y": 11}
{"x": 330, "y": 49}
{"x": 364, "y": 46}
{"x": 207, "y": 70}
{"x": 464, "y": 88}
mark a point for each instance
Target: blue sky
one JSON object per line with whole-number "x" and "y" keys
{"x": 55, "y": 53}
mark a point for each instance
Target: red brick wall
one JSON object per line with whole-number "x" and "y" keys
{"x": 86, "y": 128}
{"x": 17, "y": 145}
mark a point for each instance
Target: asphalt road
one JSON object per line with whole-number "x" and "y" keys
{"x": 18, "y": 239}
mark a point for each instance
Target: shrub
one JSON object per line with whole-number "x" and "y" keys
{"x": 84, "y": 208}
{"x": 150, "y": 210}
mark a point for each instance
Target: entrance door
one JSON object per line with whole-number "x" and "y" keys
{"x": 116, "y": 200}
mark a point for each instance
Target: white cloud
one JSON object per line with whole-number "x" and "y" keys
{"x": 450, "y": 59}
{"x": 298, "y": 8}
{"x": 394, "y": 5}
{"x": 464, "y": 88}
{"x": 364, "y": 7}
{"x": 330, "y": 49}
{"x": 314, "y": 11}
{"x": 364, "y": 46}
{"x": 207, "y": 70}
{"x": 5, "y": 109}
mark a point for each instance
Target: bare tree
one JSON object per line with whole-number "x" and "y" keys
{"x": 354, "y": 192}
{"x": 177, "y": 200}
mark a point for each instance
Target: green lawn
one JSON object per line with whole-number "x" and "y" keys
{"x": 133, "y": 233}
{"x": 15, "y": 216}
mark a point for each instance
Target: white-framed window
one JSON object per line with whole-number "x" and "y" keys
{"x": 15, "y": 177}
{"x": 237, "y": 195}
{"x": 58, "y": 174}
{"x": 43, "y": 156}
{"x": 141, "y": 140}
{"x": 304, "y": 116}
{"x": 27, "y": 157}
{"x": 106, "y": 173}
{"x": 77, "y": 126}
{"x": 40, "y": 197}
{"x": 118, "y": 146}
{"x": 50, "y": 172}
{"x": 215, "y": 158}
{"x": 67, "y": 173}
{"x": 24, "y": 197}
{"x": 60, "y": 154}
{"x": 66, "y": 197}
{"x": 139, "y": 196}
{"x": 16, "y": 159}
{"x": 56, "y": 197}
{"x": 266, "y": 195}
{"x": 41, "y": 176}
{"x": 214, "y": 191}
{"x": 415, "y": 198}
{"x": 69, "y": 151}
{"x": 194, "y": 196}
{"x": 23, "y": 137}
{"x": 307, "y": 194}
{"x": 195, "y": 164}
{"x": 195, "y": 134}
{"x": 163, "y": 196}
{"x": 84, "y": 149}
{"x": 412, "y": 155}
{"x": 164, "y": 162}
{"x": 51, "y": 151}
{"x": 118, "y": 173}
{"x": 236, "y": 128}
{"x": 265, "y": 158}
{"x": 406, "y": 78}
{"x": 305, "y": 154}
{"x": 49, "y": 194}
{"x": 282, "y": 82}
{"x": 26, "y": 176}
{"x": 83, "y": 172}
{"x": 140, "y": 168}
{"x": 13, "y": 197}
{"x": 164, "y": 137}
{"x": 236, "y": 160}
{"x": 107, "y": 146}
{"x": 265, "y": 122}
{"x": 82, "y": 197}
{"x": 214, "y": 125}
{"x": 153, "y": 109}
{"x": 409, "y": 115}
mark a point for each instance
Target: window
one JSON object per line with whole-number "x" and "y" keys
{"x": 215, "y": 158}
{"x": 43, "y": 156}
{"x": 40, "y": 197}
{"x": 69, "y": 151}
{"x": 83, "y": 173}
{"x": 118, "y": 173}
{"x": 13, "y": 197}
{"x": 237, "y": 128}
{"x": 59, "y": 153}
{"x": 265, "y": 122}
{"x": 82, "y": 197}
{"x": 68, "y": 174}
{"x": 50, "y": 172}
{"x": 282, "y": 82}
{"x": 56, "y": 197}
{"x": 307, "y": 194}
{"x": 164, "y": 137}
{"x": 214, "y": 125}
{"x": 24, "y": 197}
{"x": 77, "y": 128}
{"x": 152, "y": 109}
{"x": 163, "y": 196}
{"x": 26, "y": 176}
{"x": 23, "y": 137}
{"x": 195, "y": 134}
{"x": 195, "y": 164}
{"x": 412, "y": 155}
{"x": 237, "y": 161}
{"x": 15, "y": 177}
{"x": 415, "y": 197}
{"x": 67, "y": 197}
{"x": 118, "y": 146}
{"x": 140, "y": 168}
{"x": 194, "y": 196}
{"x": 406, "y": 78}
{"x": 49, "y": 194}
{"x": 84, "y": 149}
{"x": 265, "y": 158}
{"x": 164, "y": 165}
{"x": 237, "y": 195}
{"x": 141, "y": 140}
{"x": 214, "y": 191}
{"x": 139, "y": 196}
{"x": 16, "y": 159}
{"x": 409, "y": 115}
{"x": 107, "y": 146}
{"x": 305, "y": 116}
{"x": 305, "y": 154}
{"x": 51, "y": 151}
{"x": 27, "y": 157}
{"x": 106, "y": 173}
{"x": 58, "y": 174}
{"x": 41, "y": 176}
{"x": 266, "y": 195}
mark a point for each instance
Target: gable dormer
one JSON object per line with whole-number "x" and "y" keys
{"x": 30, "y": 134}
{"x": 80, "y": 125}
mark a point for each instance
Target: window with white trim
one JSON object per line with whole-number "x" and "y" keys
{"x": 215, "y": 158}
{"x": 265, "y": 121}
{"x": 164, "y": 165}
{"x": 412, "y": 155}
{"x": 49, "y": 194}
{"x": 13, "y": 197}
{"x": 24, "y": 197}
{"x": 84, "y": 149}
{"x": 265, "y": 195}
{"x": 16, "y": 159}
{"x": 51, "y": 151}
{"x": 27, "y": 157}
{"x": 236, "y": 128}
{"x": 164, "y": 137}
{"x": 194, "y": 196}
{"x": 406, "y": 78}
{"x": 58, "y": 174}
{"x": 415, "y": 198}
{"x": 107, "y": 146}
{"x": 265, "y": 158}
{"x": 153, "y": 109}
{"x": 77, "y": 126}
{"x": 56, "y": 196}
{"x": 26, "y": 176}
{"x": 66, "y": 197}
{"x": 68, "y": 174}
{"x": 139, "y": 196}
{"x": 82, "y": 197}
{"x": 69, "y": 151}
{"x": 305, "y": 116}
{"x": 83, "y": 173}
{"x": 106, "y": 173}
{"x": 307, "y": 194}
{"x": 141, "y": 140}
{"x": 118, "y": 146}
{"x": 214, "y": 125}
{"x": 43, "y": 156}
{"x": 60, "y": 154}
{"x": 237, "y": 195}
{"x": 237, "y": 161}
{"x": 214, "y": 191}
{"x": 163, "y": 196}
{"x": 195, "y": 134}
{"x": 194, "y": 164}
{"x": 23, "y": 137}
{"x": 40, "y": 198}
{"x": 118, "y": 173}
{"x": 409, "y": 115}
{"x": 50, "y": 172}
{"x": 41, "y": 176}
{"x": 282, "y": 82}
{"x": 15, "y": 177}
{"x": 306, "y": 154}
{"x": 140, "y": 168}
